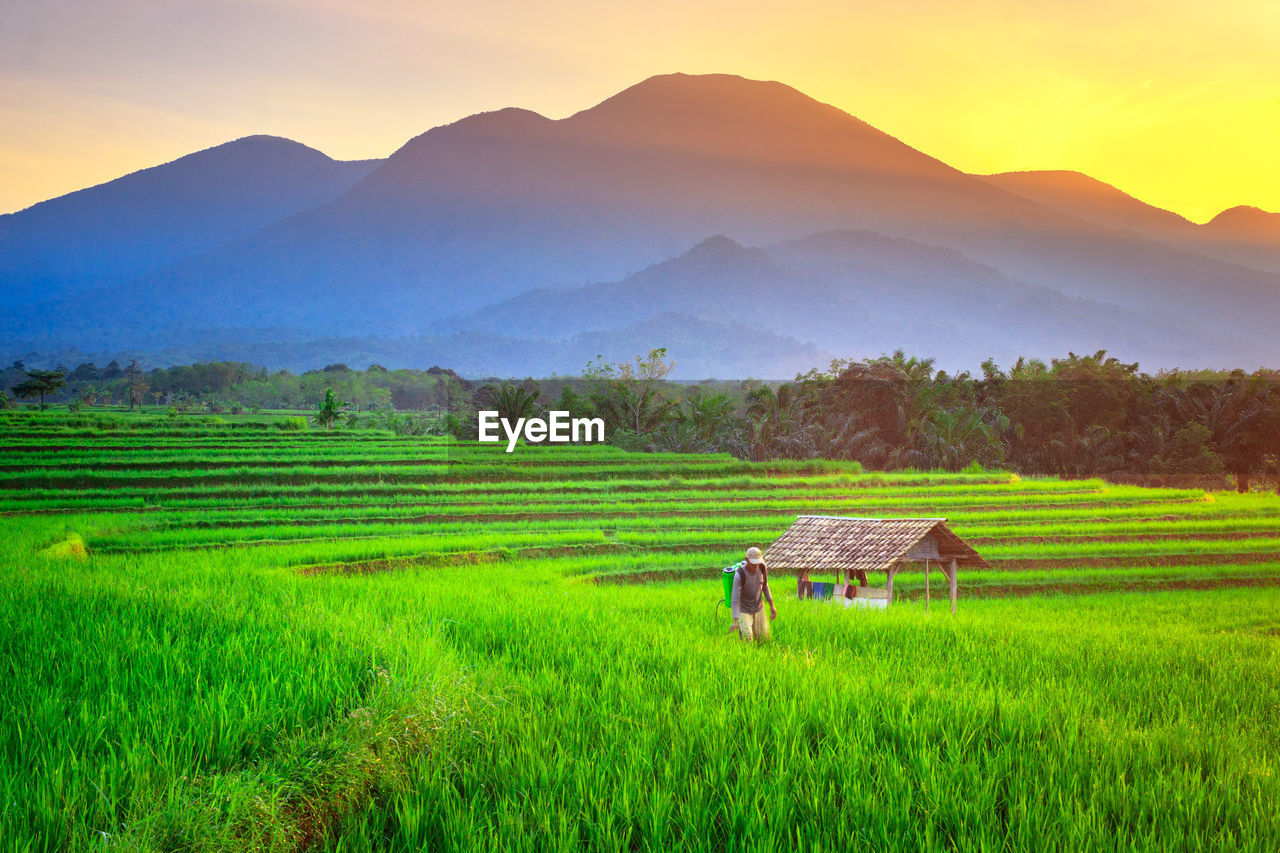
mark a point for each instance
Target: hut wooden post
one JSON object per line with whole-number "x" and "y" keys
{"x": 926, "y": 586}
{"x": 888, "y": 587}
{"x": 951, "y": 577}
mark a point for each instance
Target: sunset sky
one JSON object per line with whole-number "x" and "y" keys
{"x": 1175, "y": 102}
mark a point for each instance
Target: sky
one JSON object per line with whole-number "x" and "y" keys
{"x": 1175, "y": 102}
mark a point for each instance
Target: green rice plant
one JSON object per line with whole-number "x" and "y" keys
{"x": 285, "y": 641}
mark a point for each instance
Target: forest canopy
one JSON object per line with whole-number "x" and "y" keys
{"x": 1078, "y": 416}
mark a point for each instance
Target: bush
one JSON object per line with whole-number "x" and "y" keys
{"x": 628, "y": 440}
{"x": 458, "y": 428}
{"x": 292, "y": 424}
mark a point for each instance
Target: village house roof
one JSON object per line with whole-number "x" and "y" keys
{"x": 822, "y": 543}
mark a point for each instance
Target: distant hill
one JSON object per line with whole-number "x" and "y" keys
{"x": 700, "y": 349}
{"x": 859, "y": 294}
{"x": 1240, "y": 235}
{"x": 510, "y": 205}
{"x": 1088, "y": 198}
{"x": 1246, "y": 235}
{"x": 1245, "y": 224}
{"x": 142, "y": 221}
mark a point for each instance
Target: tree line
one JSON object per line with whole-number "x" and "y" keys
{"x": 234, "y": 387}
{"x": 1083, "y": 415}
{"x": 1079, "y": 416}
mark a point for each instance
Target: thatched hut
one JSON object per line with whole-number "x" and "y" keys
{"x": 850, "y": 548}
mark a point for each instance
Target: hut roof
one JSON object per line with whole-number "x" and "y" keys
{"x": 820, "y": 543}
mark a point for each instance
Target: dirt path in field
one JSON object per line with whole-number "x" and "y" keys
{"x": 249, "y": 461}
{"x": 1153, "y": 585}
{"x": 1011, "y": 565}
{"x": 269, "y": 490}
{"x": 907, "y": 509}
{"x": 485, "y": 518}
{"x": 1085, "y": 588}
{"x": 489, "y": 518}
{"x": 462, "y": 558}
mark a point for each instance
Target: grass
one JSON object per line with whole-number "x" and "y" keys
{"x": 224, "y": 636}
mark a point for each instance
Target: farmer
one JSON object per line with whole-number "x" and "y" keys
{"x": 750, "y": 586}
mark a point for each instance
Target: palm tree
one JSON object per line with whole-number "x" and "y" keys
{"x": 1246, "y": 423}
{"x": 778, "y": 428}
{"x": 514, "y": 402}
{"x": 89, "y": 394}
{"x": 955, "y": 438}
{"x": 708, "y": 414}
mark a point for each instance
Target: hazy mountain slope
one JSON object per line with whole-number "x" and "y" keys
{"x": 1079, "y": 195}
{"x": 1245, "y": 235}
{"x": 500, "y": 203}
{"x": 948, "y": 305}
{"x": 142, "y": 221}
{"x": 717, "y": 279}
{"x": 504, "y": 202}
{"x": 1240, "y": 235}
{"x": 1245, "y": 224}
{"x": 861, "y": 294}
{"x": 699, "y": 348}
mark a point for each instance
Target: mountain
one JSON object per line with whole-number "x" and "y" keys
{"x": 859, "y": 294}
{"x": 1088, "y": 198}
{"x": 716, "y": 279}
{"x": 468, "y": 215}
{"x": 502, "y": 202}
{"x": 698, "y": 348}
{"x": 1240, "y": 235}
{"x": 140, "y": 222}
{"x": 1245, "y": 224}
{"x": 1245, "y": 235}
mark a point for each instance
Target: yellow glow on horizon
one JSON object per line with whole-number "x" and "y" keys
{"x": 1176, "y": 103}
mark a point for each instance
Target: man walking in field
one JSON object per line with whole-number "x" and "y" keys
{"x": 750, "y": 592}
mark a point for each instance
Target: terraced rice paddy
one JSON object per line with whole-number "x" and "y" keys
{"x": 354, "y": 641}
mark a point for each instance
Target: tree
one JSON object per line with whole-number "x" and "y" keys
{"x": 378, "y": 399}
{"x": 39, "y": 383}
{"x": 86, "y": 372}
{"x": 137, "y": 383}
{"x": 90, "y": 394}
{"x": 331, "y": 410}
{"x": 1246, "y": 423}
{"x": 707, "y": 414}
{"x": 629, "y": 394}
{"x": 956, "y": 438}
{"x": 778, "y": 426}
{"x": 577, "y": 405}
{"x": 513, "y": 402}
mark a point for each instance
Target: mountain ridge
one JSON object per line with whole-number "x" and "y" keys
{"x": 466, "y": 216}
{"x": 141, "y": 221}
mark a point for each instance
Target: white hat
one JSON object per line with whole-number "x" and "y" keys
{"x": 754, "y": 556}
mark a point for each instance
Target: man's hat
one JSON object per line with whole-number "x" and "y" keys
{"x": 754, "y": 556}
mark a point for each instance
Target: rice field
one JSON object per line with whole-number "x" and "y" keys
{"x": 228, "y": 636}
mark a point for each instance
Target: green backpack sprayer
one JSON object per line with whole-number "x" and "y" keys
{"x": 726, "y": 576}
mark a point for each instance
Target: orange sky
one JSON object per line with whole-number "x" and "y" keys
{"x": 1175, "y": 102}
